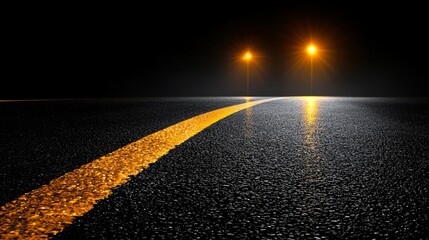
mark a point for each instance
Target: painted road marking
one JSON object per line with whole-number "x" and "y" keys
{"x": 47, "y": 210}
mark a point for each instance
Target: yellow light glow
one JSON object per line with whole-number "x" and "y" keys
{"x": 310, "y": 135}
{"x": 311, "y": 109}
{"x": 247, "y": 56}
{"x": 311, "y": 49}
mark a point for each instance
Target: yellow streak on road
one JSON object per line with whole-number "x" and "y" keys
{"x": 47, "y": 210}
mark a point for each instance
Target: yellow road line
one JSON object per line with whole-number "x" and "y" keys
{"x": 47, "y": 210}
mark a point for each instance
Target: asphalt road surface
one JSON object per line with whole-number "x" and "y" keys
{"x": 293, "y": 168}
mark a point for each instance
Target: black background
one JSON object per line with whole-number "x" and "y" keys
{"x": 118, "y": 50}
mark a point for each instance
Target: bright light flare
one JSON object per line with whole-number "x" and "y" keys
{"x": 311, "y": 49}
{"x": 247, "y": 68}
{"x": 247, "y": 56}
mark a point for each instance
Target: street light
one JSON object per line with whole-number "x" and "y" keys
{"x": 311, "y": 50}
{"x": 247, "y": 57}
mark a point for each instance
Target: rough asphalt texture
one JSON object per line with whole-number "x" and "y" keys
{"x": 357, "y": 169}
{"x": 43, "y": 140}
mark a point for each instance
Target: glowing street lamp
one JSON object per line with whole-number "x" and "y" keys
{"x": 311, "y": 50}
{"x": 247, "y": 57}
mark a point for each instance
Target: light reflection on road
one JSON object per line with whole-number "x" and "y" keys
{"x": 313, "y": 196}
{"x": 310, "y": 136}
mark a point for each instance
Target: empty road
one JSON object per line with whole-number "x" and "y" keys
{"x": 174, "y": 168}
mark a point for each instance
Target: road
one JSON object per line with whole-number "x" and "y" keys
{"x": 290, "y": 168}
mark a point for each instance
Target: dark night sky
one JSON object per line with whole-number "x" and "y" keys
{"x": 68, "y": 51}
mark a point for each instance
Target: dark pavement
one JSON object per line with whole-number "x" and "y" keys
{"x": 42, "y": 140}
{"x": 298, "y": 168}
